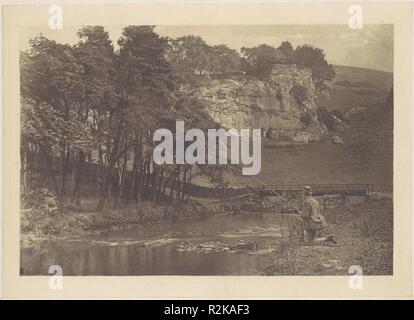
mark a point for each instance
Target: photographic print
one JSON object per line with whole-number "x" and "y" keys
{"x": 236, "y": 151}
{"x": 320, "y": 96}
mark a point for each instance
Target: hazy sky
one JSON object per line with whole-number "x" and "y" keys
{"x": 371, "y": 47}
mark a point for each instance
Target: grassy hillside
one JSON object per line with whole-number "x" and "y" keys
{"x": 379, "y": 79}
{"x": 366, "y": 155}
{"x": 353, "y": 87}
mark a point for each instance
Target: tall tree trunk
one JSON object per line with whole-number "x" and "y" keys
{"x": 78, "y": 169}
{"x": 121, "y": 179}
{"x": 55, "y": 183}
{"x": 134, "y": 173}
{"x": 112, "y": 158}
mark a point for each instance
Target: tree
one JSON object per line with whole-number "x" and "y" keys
{"x": 224, "y": 59}
{"x": 314, "y": 58}
{"x": 260, "y": 60}
{"x": 189, "y": 54}
{"x": 148, "y": 93}
{"x": 50, "y": 88}
{"x": 287, "y": 50}
{"x": 97, "y": 106}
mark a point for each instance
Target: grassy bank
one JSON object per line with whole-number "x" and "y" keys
{"x": 365, "y": 236}
{"x": 42, "y": 224}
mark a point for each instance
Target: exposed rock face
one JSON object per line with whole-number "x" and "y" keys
{"x": 330, "y": 120}
{"x": 268, "y": 105}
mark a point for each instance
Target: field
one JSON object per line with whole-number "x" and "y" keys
{"x": 367, "y": 153}
{"x": 364, "y": 88}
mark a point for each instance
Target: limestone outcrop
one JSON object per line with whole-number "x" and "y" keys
{"x": 282, "y": 107}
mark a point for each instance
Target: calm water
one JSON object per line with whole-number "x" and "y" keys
{"x": 156, "y": 251}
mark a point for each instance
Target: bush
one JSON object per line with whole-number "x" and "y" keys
{"x": 300, "y": 93}
{"x": 44, "y": 214}
{"x": 42, "y": 200}
{"x": 258, "y": 61}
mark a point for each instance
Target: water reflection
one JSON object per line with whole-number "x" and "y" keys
{"x": 154, "y": 251}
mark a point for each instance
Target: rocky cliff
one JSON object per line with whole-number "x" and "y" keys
{"x": 282, "y": 106}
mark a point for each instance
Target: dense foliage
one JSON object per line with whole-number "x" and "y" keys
{"x": 259, "y": 60}
{"x": 192, "y": 55}
{"x": 88, "y": 114}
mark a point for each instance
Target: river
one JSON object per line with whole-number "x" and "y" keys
{"x": 164, "y": 249}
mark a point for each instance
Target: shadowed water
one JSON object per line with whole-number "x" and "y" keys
{"x": 158, "y": 249}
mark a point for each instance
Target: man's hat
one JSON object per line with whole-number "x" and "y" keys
{"x": 308, "y": 189}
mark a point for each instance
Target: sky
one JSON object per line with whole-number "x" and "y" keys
{"x": 371, "y": 47}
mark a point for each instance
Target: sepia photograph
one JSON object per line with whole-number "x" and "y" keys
{"x": 96, "y": 202}
{"x": 207, "y": 151}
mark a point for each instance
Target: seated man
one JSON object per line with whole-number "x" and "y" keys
{"x": 313, "y": 222}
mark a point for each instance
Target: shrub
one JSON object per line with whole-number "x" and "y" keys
{"x": 42, "y": 200}
{"x": 300, "y": 93}
{"x": 44, "y": 214}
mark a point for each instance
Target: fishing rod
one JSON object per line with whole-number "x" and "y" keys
{"x": 271, "y": 190}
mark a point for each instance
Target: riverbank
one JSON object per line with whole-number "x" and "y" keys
{"x": 45, "y": 225}
{"x": 364, "y": 233}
